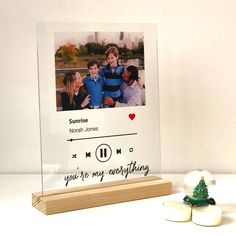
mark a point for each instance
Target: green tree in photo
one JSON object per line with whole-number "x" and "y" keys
{"x": 95, "y": 48}
{"x": 67, "y": 53}
{"x": 83, "y": 51}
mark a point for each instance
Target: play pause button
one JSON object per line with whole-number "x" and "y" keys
{"x": 103, "y": 152}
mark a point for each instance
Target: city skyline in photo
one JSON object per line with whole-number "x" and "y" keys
{"x": 128, "y": 39}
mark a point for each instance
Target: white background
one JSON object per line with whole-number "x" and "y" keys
{"x": 197, "y": 61}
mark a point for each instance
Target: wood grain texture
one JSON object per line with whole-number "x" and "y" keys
{"x": 57, "y": 201}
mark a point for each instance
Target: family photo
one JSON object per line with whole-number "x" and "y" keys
{"x": 95, "y": 70}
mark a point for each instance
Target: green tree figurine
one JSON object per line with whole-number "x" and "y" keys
{"x": 200, "y": 195}
{"x": 200, "y": 191}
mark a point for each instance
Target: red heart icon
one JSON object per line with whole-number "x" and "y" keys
{"x": 131, "y": 116}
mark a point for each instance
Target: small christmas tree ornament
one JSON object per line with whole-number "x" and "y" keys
{"x": 201, "y": 191}
{"x": 200, "y": 195}
{"x": 192, "y": 178}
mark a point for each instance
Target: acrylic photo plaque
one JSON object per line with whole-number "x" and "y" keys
{"x": 99, "y": 108}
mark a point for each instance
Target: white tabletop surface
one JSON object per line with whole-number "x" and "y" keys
{"x": 143, "y": 217}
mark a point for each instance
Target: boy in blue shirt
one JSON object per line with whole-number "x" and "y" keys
{"x": 112, "y": 74}
{"x": 93, "y": 84}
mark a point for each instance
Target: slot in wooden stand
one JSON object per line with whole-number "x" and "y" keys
{"x": 57, "y": 201}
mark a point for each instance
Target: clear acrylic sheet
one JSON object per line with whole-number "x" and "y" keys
{"x": 86, "y": 146}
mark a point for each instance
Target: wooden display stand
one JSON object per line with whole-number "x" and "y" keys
{"x": 57, "y": 201}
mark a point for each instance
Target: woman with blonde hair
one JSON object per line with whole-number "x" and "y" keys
{"x": 75, "y": 96}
